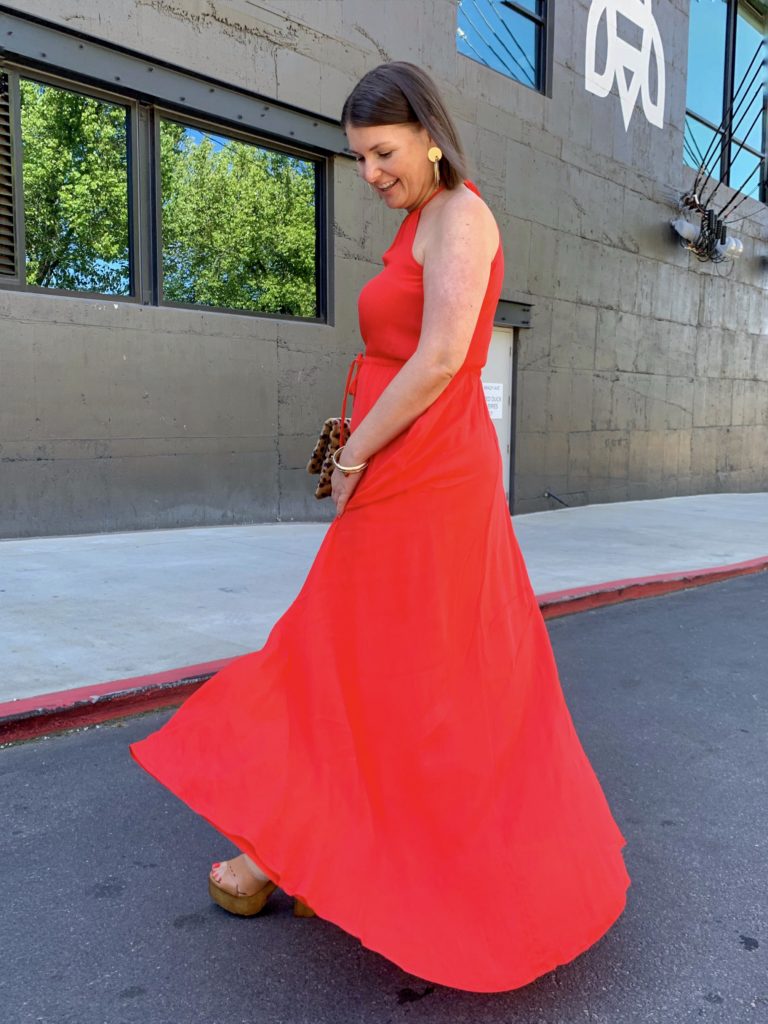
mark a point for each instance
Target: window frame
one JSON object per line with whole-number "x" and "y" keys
{"x": 726, "y": 137}
{"x": 543, "y": 50}
{"x": 143, "y": 179}
{"x": 158, "y": 113}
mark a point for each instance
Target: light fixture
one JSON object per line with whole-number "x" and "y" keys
{"x": 685, "y": 229}
{"x": 708, "y": 239}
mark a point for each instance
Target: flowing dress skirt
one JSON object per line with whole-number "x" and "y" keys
{"x": 399, "y": 754}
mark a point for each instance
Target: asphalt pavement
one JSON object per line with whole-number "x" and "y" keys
{"x": 106, "y": 917}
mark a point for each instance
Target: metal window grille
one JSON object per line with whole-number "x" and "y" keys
{"x": 7, "y": 232}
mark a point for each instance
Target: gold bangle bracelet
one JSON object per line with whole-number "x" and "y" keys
{"x": 347, "y": 469}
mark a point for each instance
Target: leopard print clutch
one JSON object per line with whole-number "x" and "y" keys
{"x": 327, "y": 443}
{"x": 330, "y": 435}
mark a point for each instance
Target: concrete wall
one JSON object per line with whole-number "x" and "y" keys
{"x": 645, "y": 372}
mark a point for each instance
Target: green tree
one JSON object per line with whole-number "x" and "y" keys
{"x": 75, "y": 179}
{"x": 238, "y": 224}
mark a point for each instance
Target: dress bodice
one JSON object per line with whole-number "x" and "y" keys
{"x": 391, "y": 304}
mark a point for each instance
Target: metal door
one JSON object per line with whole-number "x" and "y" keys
{"x": 497, "y": 377}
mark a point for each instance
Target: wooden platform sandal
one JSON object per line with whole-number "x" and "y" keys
{"x": 248, "y": 901}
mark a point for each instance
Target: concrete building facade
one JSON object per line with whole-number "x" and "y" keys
{"x": 640, "y": 372}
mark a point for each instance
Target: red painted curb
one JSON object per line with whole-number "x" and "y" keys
{"x": 31, "y": 717}
{"x": 581, "y": 599}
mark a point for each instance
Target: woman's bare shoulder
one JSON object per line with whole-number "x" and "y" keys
{"x": 466, "y": 213}
{"x": 460, "y": 209}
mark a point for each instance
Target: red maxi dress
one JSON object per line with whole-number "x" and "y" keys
{"x": 399, "y": 753}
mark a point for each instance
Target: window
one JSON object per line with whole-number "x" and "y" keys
{"x": 725, "y": 125}
{"x": 74, "y": 176}
{"x": 238, "y": 224}
{"x": 506, "y": 35}
{"x": 102, "y": 195}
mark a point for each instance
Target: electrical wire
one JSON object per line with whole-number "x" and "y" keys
{"x": 728, "y": 120}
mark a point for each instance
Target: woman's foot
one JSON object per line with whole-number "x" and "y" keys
{"x": 239, "y": 886}
{"x": 240, "y": 876}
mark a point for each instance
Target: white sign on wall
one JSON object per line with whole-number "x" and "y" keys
{"x": 494, "y": 396}
{"x": 630, "y": 67}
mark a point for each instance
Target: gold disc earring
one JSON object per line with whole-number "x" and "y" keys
{"x": 435, "y": 154}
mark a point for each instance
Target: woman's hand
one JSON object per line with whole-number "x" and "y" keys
{"x": 342, "y": 487}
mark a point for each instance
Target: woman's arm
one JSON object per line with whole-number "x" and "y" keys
{"x": 456, "y": 269}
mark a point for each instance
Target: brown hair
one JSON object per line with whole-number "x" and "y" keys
{"x": 402, "y": 93}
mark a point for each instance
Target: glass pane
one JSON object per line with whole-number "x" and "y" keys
{"x": 238, "y": 224}
{"x": 699, "y": 146}
{"x": 706, "y": 58}
{"x": 75, "y": 185}
{"x": 745, "y": 172}
{"x": 534, "y": 6}
{"x": 750, "y": 50}
{"x": 500, "y": 38}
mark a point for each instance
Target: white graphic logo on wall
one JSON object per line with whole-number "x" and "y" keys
{"x": 629, "y": 66}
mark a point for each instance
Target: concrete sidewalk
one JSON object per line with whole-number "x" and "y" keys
{"x": 87, "y": 611}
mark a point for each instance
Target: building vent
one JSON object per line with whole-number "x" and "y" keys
{"x": 7, "y": 236}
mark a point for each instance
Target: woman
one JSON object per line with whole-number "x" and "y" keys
{"x": 399, "y": 755}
